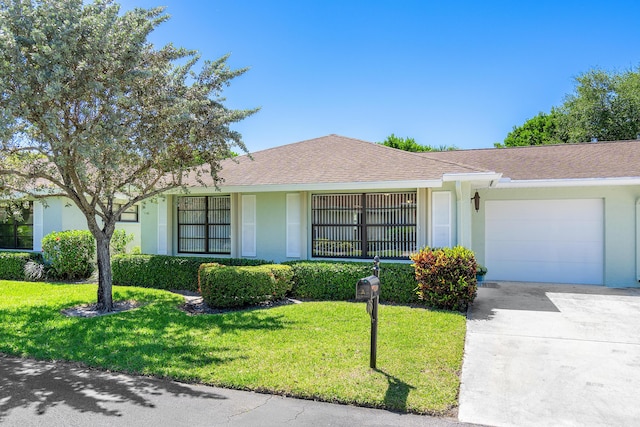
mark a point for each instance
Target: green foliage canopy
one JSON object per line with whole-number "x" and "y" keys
{"x": 603, "y": 106}
{"x": 410, "y": 144}
{"x": 542, "y": 129}
{"x": 92, "y": 111}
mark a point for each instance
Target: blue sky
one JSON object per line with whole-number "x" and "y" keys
{"x": 452, "y": 72}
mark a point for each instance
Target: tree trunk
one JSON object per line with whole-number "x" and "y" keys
{"x": 105, "y": 278}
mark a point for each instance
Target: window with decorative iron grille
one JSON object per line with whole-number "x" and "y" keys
{"x": 17, "y": 232}
{"x": 204, "y": 225}
{"x": 364, "y": 225}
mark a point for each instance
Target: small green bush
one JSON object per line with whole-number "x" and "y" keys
{"x": 446, "y": 277}
{"x": 12, "y": 264}
{"x": 336, "y": 281}
{"x": 233, "y": 287}
{"x": 70, "y": 253}
{"x": 119, "y": 242}
{"x": 165, "y": 271}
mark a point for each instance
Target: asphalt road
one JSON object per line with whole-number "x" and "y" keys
{"x": 35, "y": 393}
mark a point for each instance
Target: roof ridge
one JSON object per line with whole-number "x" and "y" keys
{"x": 375, "y": 145}
{"x": 290, "y": 144}
{"x": 464, "y": 165}
{"x": 420, "y": 155}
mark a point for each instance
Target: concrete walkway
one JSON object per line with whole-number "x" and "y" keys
{"x": 34, "y": 393}
{"x": 552, "y": 355}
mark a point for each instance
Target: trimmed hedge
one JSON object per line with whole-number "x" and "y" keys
{"x": 165, "y": 271}
{"x": 231, "y": 287}
{"x": 336, "y": 281}
{"x": 446, "y": 277}
{"x": 12, "y": 264}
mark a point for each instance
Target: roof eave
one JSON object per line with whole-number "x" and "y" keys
{"x": 333, "y": 186}
{"x": 476, "y": 179}
{"x": 567, "y": 182}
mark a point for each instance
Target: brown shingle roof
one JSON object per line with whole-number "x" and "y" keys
{"x": 334, "y": 159}
{"x": 619, "y": 159}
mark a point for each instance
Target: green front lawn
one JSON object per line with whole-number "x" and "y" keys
{"x": 312, "y": 350}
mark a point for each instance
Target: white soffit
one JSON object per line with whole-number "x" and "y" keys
{"x": 346, "y": 186}
{"x": 574, "y": 182}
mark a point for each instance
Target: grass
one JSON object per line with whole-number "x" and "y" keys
{"x": 316, "y": 350}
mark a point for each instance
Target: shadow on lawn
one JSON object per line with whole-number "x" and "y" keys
{"x": 397, "y": 392}
{"x": 28, "y": 383}
{"x": 156, "y": 338}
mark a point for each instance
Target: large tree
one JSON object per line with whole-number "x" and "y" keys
{"x": 92, "y": 111}
{"x": 603, "y": 106}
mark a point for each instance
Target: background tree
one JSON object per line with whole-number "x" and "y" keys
{"x": 604, "y": 105}
{"x": 90, "y": 110}
{"x": 410, "y": 144}
{"x": 539, "y": 130}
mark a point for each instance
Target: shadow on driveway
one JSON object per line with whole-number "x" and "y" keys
{"x": 527, "y": 296}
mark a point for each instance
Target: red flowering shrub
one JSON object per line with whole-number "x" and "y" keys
{"x": 446, "y": 277}
{"x": 70, "y": 254}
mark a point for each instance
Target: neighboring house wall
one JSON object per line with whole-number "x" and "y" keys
{"x": 619, "y": 205}
{"x": 60, "y": 214}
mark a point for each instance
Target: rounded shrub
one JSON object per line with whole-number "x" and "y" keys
{"x": 235, "y": 287}
{"x": 446, "y": 277}
{"x": 119, "y": 242}
{"x": 70, "y": 254}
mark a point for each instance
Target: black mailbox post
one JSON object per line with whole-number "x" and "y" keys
{"x": 368, "y": 289}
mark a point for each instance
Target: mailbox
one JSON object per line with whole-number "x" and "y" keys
{"x": 367, "y": 288}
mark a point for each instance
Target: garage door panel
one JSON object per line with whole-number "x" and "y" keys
{"x": 583, "y": 231}
{"x": 549, "y": 209}
{"x": 543, "y": 251}
{"x": 548, "y": 272}
{"x": 545, "y": 240}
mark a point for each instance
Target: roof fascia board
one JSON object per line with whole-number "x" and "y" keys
{"x": 473, "y": 176}
{"x": 573, "y": 182}
{"x": 341, "y": 186}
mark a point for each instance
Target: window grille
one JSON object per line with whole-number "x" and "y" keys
{"x": 17, "y": 233}
{"x": 204, "y": 225}
{"x": 364, "y": 225}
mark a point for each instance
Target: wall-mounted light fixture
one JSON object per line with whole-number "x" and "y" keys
{"x": 476, "y": 201}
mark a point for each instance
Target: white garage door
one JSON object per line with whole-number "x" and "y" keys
{"x": 558, "y": 241}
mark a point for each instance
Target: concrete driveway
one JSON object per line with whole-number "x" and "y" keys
{"x": 552, "y": 355}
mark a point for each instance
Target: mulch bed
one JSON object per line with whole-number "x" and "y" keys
{"x": 91, "y": 310}
{"x": 193, "y": 305}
